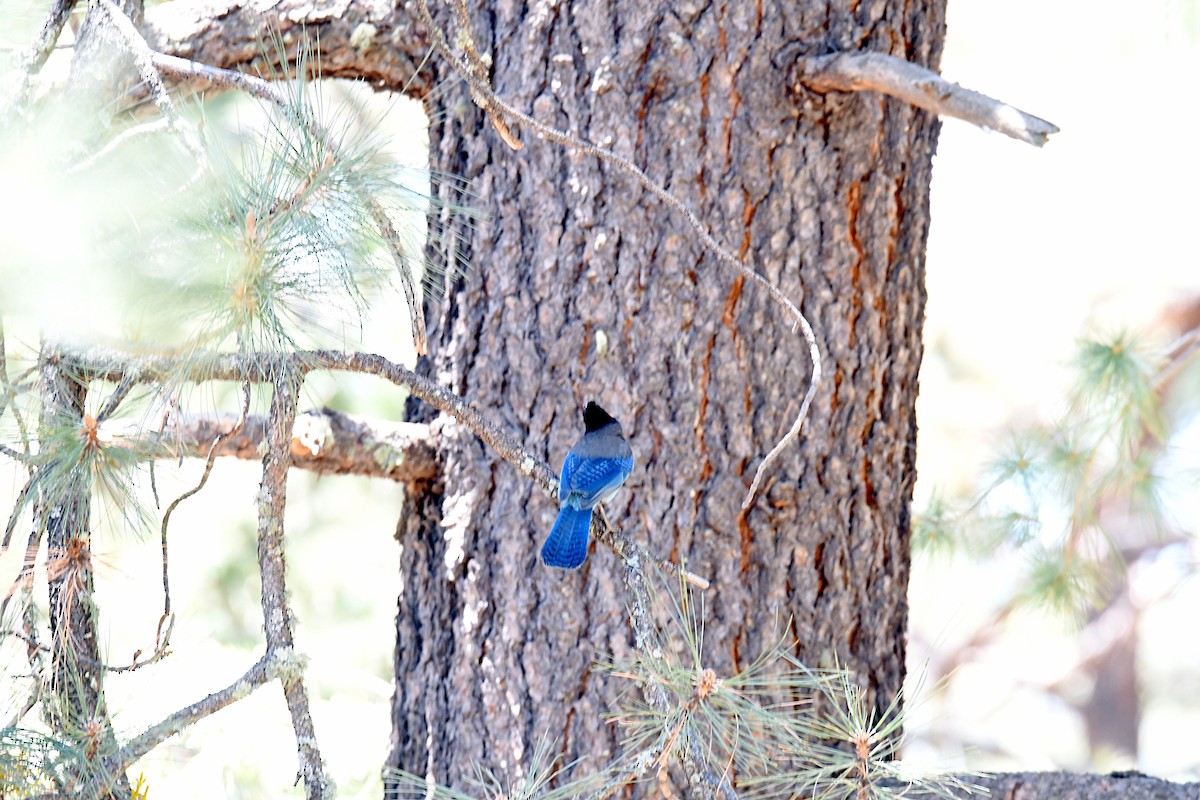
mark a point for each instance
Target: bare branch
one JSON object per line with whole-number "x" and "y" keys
{"x": 23, "y": 583}
{"x": 185, "y": 69}
{"x": 135, "y": 663}
{"x": 114, "y": 400}
{"x": 129, "y": 134}
{"x": 1058, "y": 785}
{"x": 143, "y": 57}
{"x": 18, "y": 507}
{"x": 878, "y": 72}
{"x": 101, "y": 364}
{"x": 15, "y": 455}
{"x": 158, "y": 733}
{"x": 280, "y": 660}
{"x": 8, "y": 392}
{"x": 36, "y": 55}
{"x": 375, "y": 42}
{"x": 159, "y": 644}
{"x": 1179, "y": 355}
{"x": 277, "y": 613}
{"x": 326, "y": 442}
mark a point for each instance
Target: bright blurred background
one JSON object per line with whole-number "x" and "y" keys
{"x": 1029, "y": 251}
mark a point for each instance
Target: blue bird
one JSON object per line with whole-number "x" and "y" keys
{"x": 594, "y": 469}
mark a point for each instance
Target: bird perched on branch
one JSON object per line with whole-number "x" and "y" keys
{"x": 594, "y": 469}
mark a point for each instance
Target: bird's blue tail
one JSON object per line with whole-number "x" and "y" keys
{"x": 567, "y": 545}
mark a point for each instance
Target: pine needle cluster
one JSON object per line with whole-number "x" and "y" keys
{"x": 775, "y": 729}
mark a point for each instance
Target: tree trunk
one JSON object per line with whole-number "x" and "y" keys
{"x": 581, "y": 286}
{"x": 75, "y": 706}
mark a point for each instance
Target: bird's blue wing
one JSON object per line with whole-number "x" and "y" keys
{"x": 585, "y": 481}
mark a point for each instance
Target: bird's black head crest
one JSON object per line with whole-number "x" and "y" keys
{"x": 595, "y": 417}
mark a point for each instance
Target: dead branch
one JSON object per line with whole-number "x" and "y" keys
{"x": 100, "y": 364}
{"x": 209, "y": 460}
{"x": 150, "y": 77}
{"x": 39, "y": 51}
{"x": 363, "y": 40}
{"x": 904, "y": 80}
{"x": 156, "y": 734}
{"x": 30, "y": 62}
{"x": 151, "y": 128}
{"x": 324, "y": 441}
{"x": 277, "y": 612}
{"x": 1069, "y": 786}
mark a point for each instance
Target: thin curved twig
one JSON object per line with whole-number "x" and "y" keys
{"x": 160, "y": 642}
{"x": 482, "y": 93}
{"x": 135, "y": 663}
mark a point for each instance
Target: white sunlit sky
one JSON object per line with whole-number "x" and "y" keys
{"x": 1029, "y": 251}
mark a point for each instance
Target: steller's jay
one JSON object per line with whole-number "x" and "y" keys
{"x": 594, "y": 469}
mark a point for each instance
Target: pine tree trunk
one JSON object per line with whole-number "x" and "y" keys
{"x": 581, "y": 286}
{"x": 74, "y": 706}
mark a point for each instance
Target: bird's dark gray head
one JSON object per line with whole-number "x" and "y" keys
{"x": 595, "y": 418}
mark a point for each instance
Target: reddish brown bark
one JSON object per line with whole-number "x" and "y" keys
{"x": 582, "y": 287}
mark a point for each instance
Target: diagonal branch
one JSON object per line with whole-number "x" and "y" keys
{"x": 143, "y": 57}
{"x": 912, "y": 83}
{"x": 34, "y": 57}
{"x": 259, "y": 674}
{"x": 98, "y": 363}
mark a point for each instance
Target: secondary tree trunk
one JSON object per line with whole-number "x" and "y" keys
{"x": 581, "y": 286}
